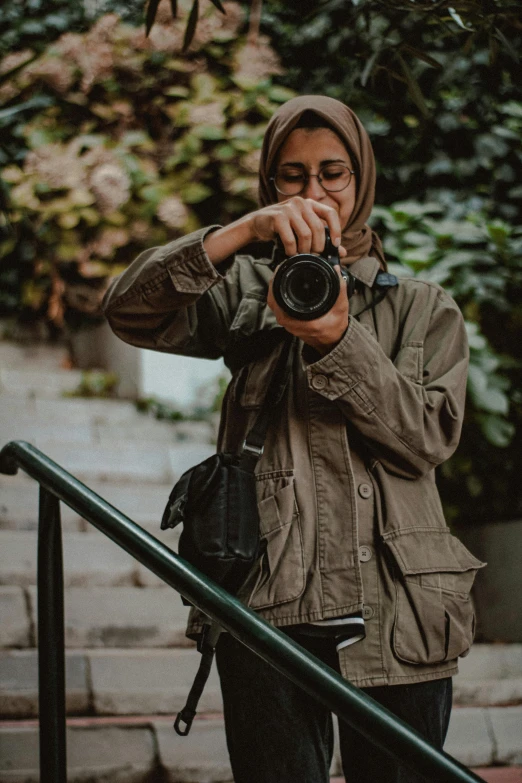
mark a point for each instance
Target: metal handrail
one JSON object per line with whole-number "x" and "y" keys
{"x": 349, "y": 703}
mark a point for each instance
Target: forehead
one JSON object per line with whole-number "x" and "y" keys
{"x": 312, "y": 145}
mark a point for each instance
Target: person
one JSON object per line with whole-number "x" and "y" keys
{"x": 360, "y": 567}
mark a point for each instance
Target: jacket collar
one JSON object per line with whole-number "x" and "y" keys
{"x": 365, "y": 270}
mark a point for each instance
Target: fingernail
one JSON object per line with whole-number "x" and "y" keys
{"x": 337, "y": 241}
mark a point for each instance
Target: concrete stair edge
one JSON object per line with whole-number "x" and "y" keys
{"x": 202, "y": 757}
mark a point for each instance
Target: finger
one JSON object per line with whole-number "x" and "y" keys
{"x": 342, "y": 252}
{"x": 303, "y": 232}
{"x": 288, "y": 238}
{"x": 316, "y": 225}
{"x": 331, "y": 217}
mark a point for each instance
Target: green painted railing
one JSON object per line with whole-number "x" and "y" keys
{"x": 345, "y": 700}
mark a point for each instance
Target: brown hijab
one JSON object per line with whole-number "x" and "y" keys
{"x": 358, "y": 237}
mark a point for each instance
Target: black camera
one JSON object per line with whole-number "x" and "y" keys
{"x": 307, "y": 285}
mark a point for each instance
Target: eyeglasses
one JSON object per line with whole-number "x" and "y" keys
{"x": 291, "y": 180}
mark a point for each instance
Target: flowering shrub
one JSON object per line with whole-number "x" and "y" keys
{"x": 131, "y": 145}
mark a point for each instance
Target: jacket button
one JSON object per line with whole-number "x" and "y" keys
{"x": 365, "y": 554}
{"x": 367, "y": 612}
{"x": 319, "y": 382}
{"x": 365, "y": 490}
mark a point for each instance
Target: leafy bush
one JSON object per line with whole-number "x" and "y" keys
{"x": 478, "y": 260}
{"x": 133, "y": 145}
{"x": 441, "y": 102}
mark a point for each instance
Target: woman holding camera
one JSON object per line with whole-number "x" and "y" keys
{"x": 359, "y": 566}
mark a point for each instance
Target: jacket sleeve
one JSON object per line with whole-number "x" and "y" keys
{"x": 160, "y": 301}
{"x": 411, "y": 426}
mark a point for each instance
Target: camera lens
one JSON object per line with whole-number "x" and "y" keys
{"x": 306, "y": 286}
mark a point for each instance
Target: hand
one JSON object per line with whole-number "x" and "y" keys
{"x": 323, "y": 333}
{"x": 300, "y": 223}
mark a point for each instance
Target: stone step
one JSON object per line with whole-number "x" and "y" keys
{"x": 147, "y": 681}
{"x": 490, "y": 675}
{"x": 38, "y": 355}
{"x": 143, "y": 503}
{"x": 30, "y": 382}
{"x": 139, "y": 681}
{"x": 109, "y": 682}
{"x": 89, "y": 560}
{"x": 137, "y": 750}
{"x": 90, "y": 425}
{"x": 99, "y": 617}
{"x": 127, "y": 461}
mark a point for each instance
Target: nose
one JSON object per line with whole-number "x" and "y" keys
{"x": 313, "y": 189}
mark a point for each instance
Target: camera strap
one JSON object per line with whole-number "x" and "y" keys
{"x": 382, "y": 284}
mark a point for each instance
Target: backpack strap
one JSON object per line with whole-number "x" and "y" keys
{"x": 253, "y": 445}
{"x": 207, "y": 647}
{"x": 249, "y": 455}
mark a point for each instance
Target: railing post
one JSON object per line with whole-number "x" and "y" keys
{"x": 51, "y": 642}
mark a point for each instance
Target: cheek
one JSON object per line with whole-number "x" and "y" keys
{"x": 346, "y": 204}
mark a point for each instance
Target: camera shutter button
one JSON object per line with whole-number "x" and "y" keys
{"x": 319, "y": 382}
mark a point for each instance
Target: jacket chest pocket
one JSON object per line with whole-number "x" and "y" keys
{"x": 280, "y": 575}
{"x": 434, "y": 618}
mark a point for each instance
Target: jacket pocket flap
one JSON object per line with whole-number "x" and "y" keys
{"x": 429, "y": 550}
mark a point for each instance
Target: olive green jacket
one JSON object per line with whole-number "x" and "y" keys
{"x": 346, "y": 485}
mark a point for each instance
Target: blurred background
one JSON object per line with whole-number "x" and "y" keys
{"x": 113, "y": 142}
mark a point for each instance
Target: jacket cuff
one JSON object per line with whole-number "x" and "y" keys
{"x": 189, "y": 266}
{"x": 343, "y": 370}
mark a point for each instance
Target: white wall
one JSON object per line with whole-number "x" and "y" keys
{"x": 180, "y": 380}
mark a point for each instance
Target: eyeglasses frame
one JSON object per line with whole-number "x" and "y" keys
{"x": 318, "y": 177}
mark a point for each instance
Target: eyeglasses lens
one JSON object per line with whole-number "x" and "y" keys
{"x": 291, "y": 181}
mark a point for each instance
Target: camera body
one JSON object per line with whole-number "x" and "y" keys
{"x": 307, "y": 285}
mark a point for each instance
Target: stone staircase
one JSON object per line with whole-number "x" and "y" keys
{"x": 128, "y": 664}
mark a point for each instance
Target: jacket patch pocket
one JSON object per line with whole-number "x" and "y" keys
{"x": 409, "y": 361}
{"x": 434, "y": 618}
{"x": 281, "y": 574}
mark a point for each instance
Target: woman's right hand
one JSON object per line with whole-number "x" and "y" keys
{"x": 299, "y": 222}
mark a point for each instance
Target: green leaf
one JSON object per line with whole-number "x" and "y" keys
{"x": 208, "y": 132}
{"x": 476, "y": 340}
{"x": 484, "y": 396}
{"x": 280, "y": 94}
{"x": 38, "y": 102}
{"x": 456, "y": 18}
{"x": 497, "y": 430}
{"x": 413, "y": 87}
{"x": 152, "y": 10}
{"x": 195, "y": 192}
{"x": 415, "y": 209}
{"x": 513, "y": 108}
{"x": 191, "y": 25}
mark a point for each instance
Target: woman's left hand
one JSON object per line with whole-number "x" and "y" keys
{"x": 323, "y": 333}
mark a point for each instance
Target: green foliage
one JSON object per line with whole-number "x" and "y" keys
{"x": 158, "y": 409}
{"x": 478, "y": 260}
{"x": 96, "y": 383}
{"x": 468, "y": 15}
{"x": 33, "y": 23}
{"x": 119, "y": 143}
{"x": 441, "y": 103}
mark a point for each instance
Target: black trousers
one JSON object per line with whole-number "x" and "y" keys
{"x": 277, "y": 733}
